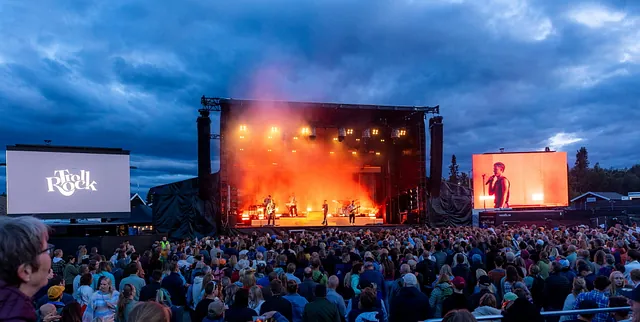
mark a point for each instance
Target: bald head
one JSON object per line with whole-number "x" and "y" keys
{"x": 333, "y": 282}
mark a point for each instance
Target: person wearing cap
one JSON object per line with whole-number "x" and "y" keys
{"x": 55, "y": 296}
{"x": 457, "y": 300}
{"x": 215, "y": 311}
{"x": 410, "y": 304}
{"x": 599, "y": 295}
{"x": 484, "y": 285}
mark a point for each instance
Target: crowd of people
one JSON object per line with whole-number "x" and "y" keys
{"x": 409, "y": 274}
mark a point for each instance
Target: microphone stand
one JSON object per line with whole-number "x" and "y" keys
{"x": 484, "y": 193}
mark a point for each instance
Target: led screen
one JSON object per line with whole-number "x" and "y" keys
{"x": 59, "y": 183}
{"x": 520, "y": 180}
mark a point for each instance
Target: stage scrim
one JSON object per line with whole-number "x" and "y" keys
{"x": 520, "y": 180}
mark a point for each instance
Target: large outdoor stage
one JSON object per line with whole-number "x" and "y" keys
{"x": 316, "y": 221}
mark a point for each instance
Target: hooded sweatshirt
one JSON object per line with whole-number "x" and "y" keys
{"x": 196, "y": 291}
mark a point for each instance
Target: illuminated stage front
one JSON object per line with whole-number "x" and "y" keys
{"x": 306, "y": 155}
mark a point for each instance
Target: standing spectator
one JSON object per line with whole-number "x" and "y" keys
{"x": 103, "y": 302}
{"x": 85, "y": 291}
{"x": 69, "y": 274}
{"x": 277, "y": 302}
{"x": 321, "y": 309}
{"x": 84, "y": 269}
{"x": 149, "y": 291}
{"x": 174, "y": 284}
{"x": 23, "y": 272}
{"x": 308, "y": 285}
{"x": 556, "y": 289}
{"x": 410, "y": 304}
{"x": 150, "y": 312}
{"x": 297, "y": 302}
{"x": 126, "y": 302}
{"x": 334, "y": 297}
{"x": 599, "y": 295}
{"x": 457, "y": 300}
{"x": 58, "y": 263}
{"x": 131, "y": 277}
{"x": 239, "y": 311}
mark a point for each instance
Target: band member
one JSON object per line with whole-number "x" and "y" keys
{"x": 352, "y": 212}
{"x": 271, "y": 212}
{"x": 499, "y": 186}
{"x": 266, "y": 201}
{"x": 325, "y": 211}
{"x": 293, "y": 206}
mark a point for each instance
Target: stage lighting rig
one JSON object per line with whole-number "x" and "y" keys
{"x": 366, "y": 135}
{"x": 342, "y": 133}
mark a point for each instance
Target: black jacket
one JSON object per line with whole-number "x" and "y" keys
{"x": 280, "y": 304}
{"x": 556, "y": 289}
{"x": 409, "y": 306}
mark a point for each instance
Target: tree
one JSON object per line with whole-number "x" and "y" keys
{"x": 454, "y": 176}
{"x": 464, "y": 180}
{"x": 579, "y": 175}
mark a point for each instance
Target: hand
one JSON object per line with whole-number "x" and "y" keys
{"x": 53, "y": 316}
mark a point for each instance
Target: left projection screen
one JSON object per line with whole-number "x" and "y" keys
{"x": 44, "y": 182}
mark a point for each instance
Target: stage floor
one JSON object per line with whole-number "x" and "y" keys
{"x": 315, "y": 218}
{"x": 314, "y": 221}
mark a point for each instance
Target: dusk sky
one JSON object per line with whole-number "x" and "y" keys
{"x": 518, "y": 74}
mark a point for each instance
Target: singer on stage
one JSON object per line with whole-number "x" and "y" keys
{"x": 499, "y": 186}
{"x": 325, "y": 211}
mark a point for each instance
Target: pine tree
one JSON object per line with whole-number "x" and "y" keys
{"x": 454, "y": 174}
{"x": 464, "y": 180}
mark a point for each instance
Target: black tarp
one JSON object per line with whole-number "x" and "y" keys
{"x": 453, "y": 207}
{"x": 179, "y": 212}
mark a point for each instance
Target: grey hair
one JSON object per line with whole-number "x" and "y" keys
{"x": 21, "y": 242}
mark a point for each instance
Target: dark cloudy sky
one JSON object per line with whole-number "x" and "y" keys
{"x": 518, "y": 74}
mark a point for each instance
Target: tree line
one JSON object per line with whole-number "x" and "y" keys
{"x": 581, "y": 177}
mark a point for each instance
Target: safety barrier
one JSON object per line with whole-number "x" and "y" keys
{"x": 553, "y": 313}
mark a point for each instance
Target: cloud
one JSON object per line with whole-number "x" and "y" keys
{"x": 506, "y": 73}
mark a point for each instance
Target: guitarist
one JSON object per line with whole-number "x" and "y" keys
{"x": 352, "y": 212}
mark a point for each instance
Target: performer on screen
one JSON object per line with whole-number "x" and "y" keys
{"x": 293, "y": 206}
{"x": 499, "y": 186}
{"x": 325, "y": 211}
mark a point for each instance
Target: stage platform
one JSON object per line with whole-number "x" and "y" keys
{"x": 247, "y": 230}
{"x": 315, "y": 218}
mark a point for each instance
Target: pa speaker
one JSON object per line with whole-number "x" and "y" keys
{"x": 435, "y": 166}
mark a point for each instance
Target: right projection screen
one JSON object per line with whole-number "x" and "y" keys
{"x": 520, "y": 180}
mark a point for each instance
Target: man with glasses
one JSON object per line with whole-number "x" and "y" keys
{"x": 26, "y": 262}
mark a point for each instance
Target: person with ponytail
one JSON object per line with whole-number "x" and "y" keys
{"x": 126, "y": 303}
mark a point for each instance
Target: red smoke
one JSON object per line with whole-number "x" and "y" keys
{"x": 273, "y": 156}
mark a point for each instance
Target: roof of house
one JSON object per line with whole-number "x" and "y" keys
{"x": 602, "y": 195}
{"x": 135, "y": 195}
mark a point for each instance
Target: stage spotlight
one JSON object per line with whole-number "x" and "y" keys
{"x": 335, "y": 139}
{"x": 403, "y": 132}
{"x": 374, "y": 132}
{"x": 377, "y": 153}
{"x": 243, "y": 128}
{"x": 342, "y": 133}
{"x": 295, "y": 137}
{"x": 305, "y": 131}
{"x": 349, "y": 131}
{"x": 331, "y": 152}
{"x": 293, "y": 151}
{"x": 354, "y": 152}
{"x": 312, "y": 133}
{"x": 274, "y": 129}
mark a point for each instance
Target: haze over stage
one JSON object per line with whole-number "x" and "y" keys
{"x": 67, "y": 182}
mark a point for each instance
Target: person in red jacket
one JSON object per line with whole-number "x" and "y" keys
{"x": 26, "y": 260}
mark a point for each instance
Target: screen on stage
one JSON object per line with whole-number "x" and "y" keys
{"x": 520, "y": 180}
{"x": 46, "y": 182}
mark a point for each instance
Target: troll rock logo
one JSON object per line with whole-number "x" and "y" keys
{"x": 67, "y": 183}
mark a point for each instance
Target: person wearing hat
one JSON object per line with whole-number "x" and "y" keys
{"x": 55, "y": 296}
{"x": 599, "y": 295}
{"x": 215, "y": 311}
{"x": 410, "y": 304}
{"x": 457, "y": 300}
{"x": 484, "y": 286}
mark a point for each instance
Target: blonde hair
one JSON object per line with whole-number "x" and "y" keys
{"x": 255, "y": 296}
{"x": 149, "y": 312}
{"x": 613, "y": 290}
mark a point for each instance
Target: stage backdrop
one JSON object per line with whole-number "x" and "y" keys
{"x": 452, "y": 208}
{"x": 179, "y": 212}
{"x": 529, "y": 179}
